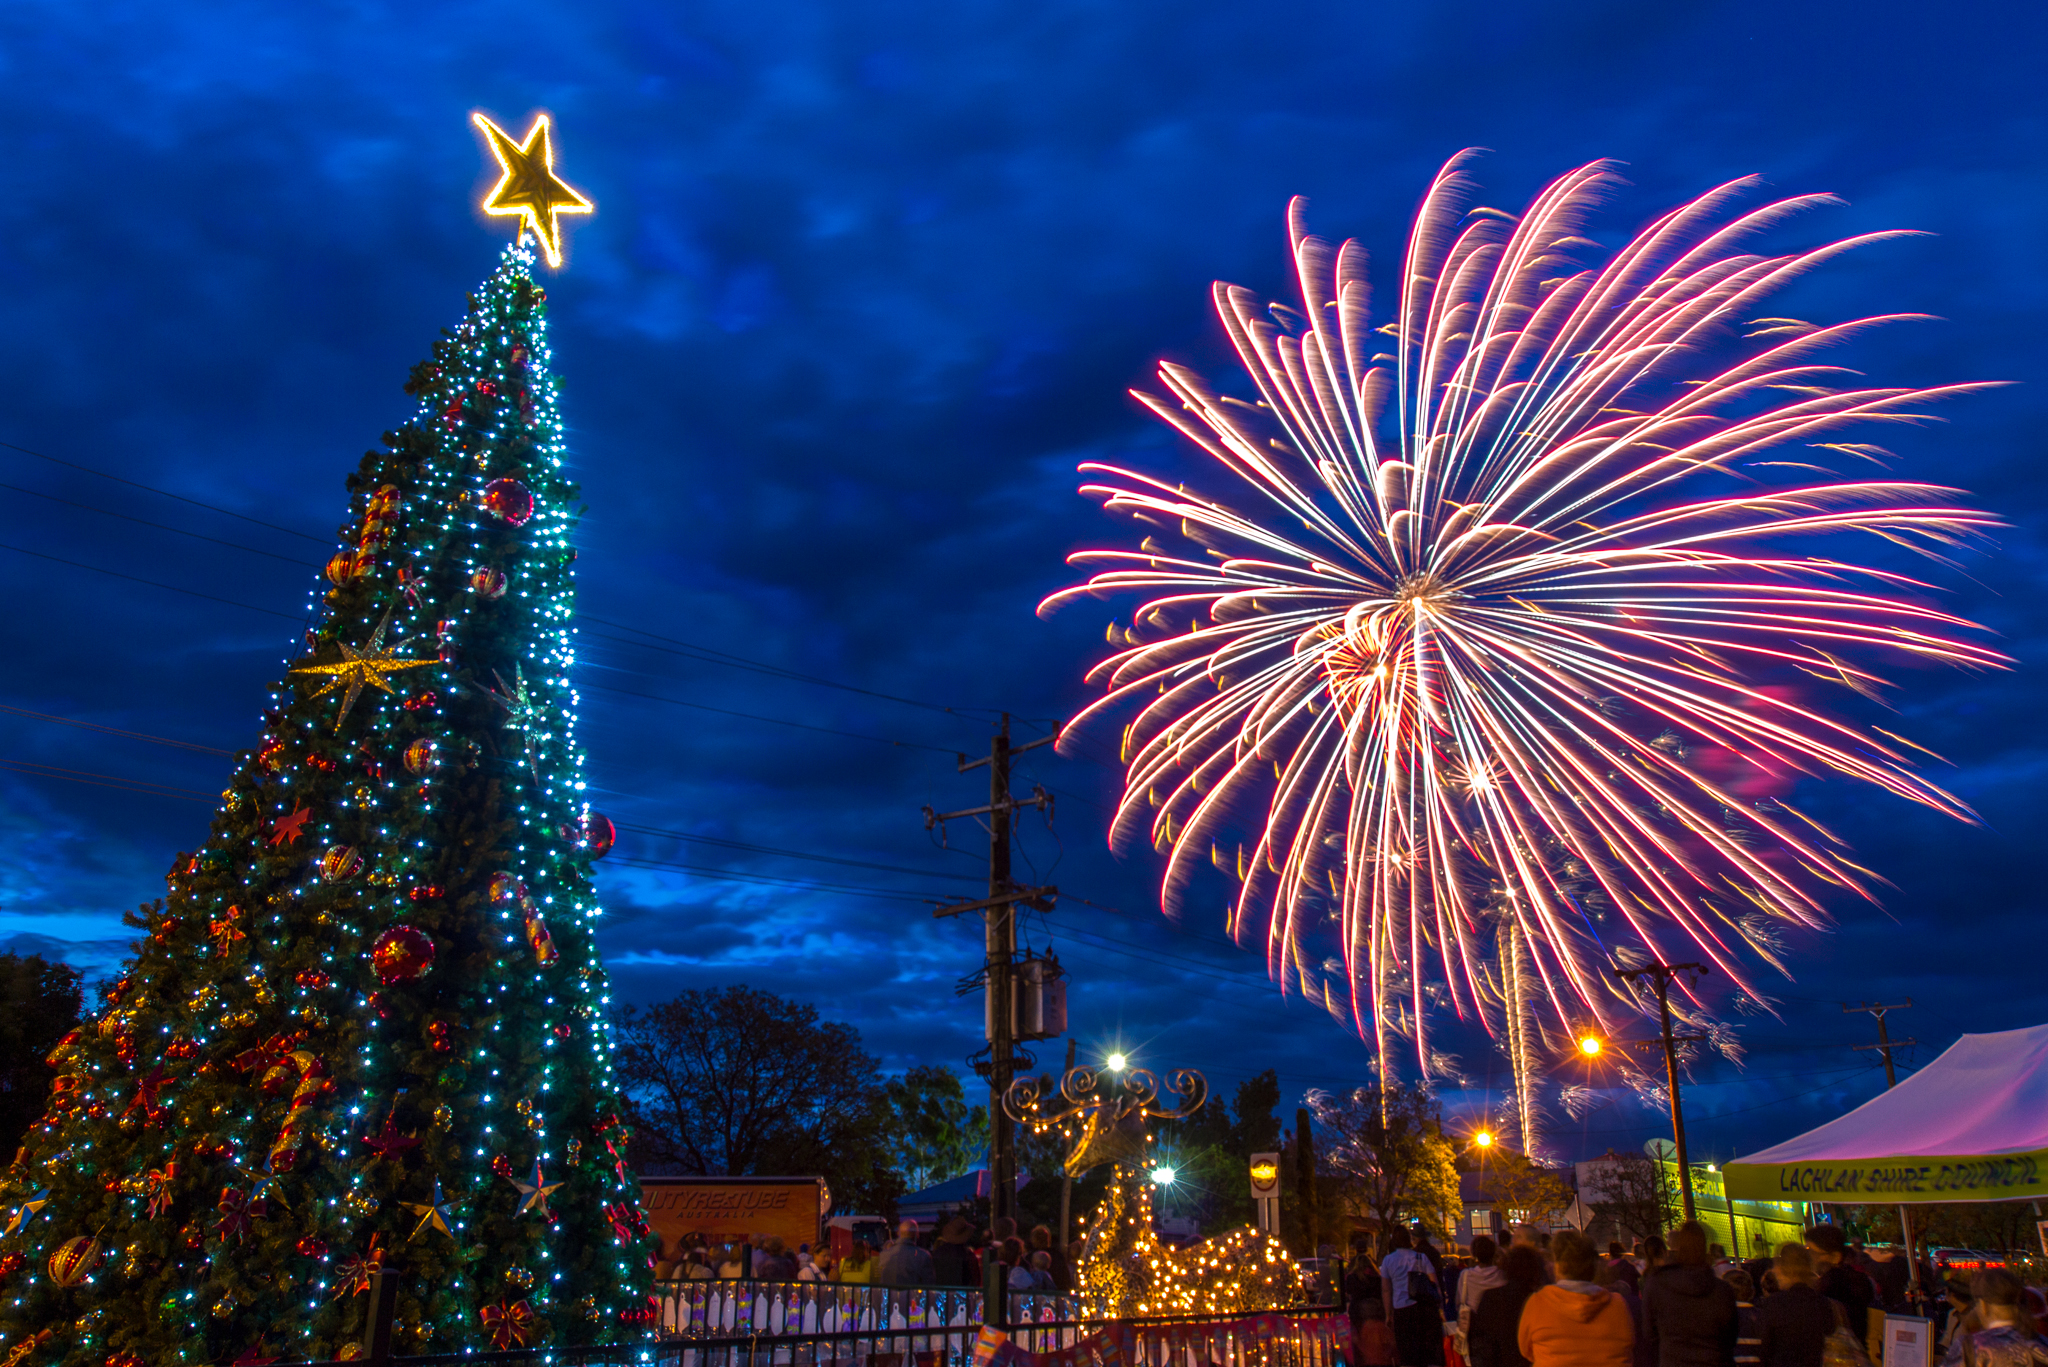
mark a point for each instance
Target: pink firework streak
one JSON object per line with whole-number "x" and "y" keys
{"x": 1496, "y": 643}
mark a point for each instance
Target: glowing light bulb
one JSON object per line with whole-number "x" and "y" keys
{"x": 1484, "y": 1139}
{"x": 1590, "y": 1046}
{"x": 1162, "y": 1175}
{"x": 1116, "y": 1063}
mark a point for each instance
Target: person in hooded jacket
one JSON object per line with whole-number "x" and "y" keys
{"x": 1689, "y": 1314}
{"x": 1477, "y": 1280}
{"x": 1574, "y": 1322}
{"x": 1493, "y": 1333}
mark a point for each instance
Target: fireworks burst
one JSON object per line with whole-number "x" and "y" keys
{"x": 1507, "y": 633}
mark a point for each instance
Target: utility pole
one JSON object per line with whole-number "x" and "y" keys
{"x": 1662, "y": 974}
{"x": 1884, "y": 1047}
{"x": 999, "y": 911}
{"x": 1066, "y": 1178}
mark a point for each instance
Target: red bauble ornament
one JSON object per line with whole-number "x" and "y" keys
{"x": 420, "y": 702}
{"x": 599, "y": 835}
{"x": 562, "y": 1032}
{"x": 311, "y": 977}
{"x": 14, "y": 1262}
{"x": 310, "y": 1247}
{"x": 401, "y": 954}
{"x": 340, "y": 862}
{"x": 381, "y": 1005}
{"x": 75, "y": 1260}
{"x": 509, "y": 501}
{"x": 422, "y": 757}
{"x": 326, "y": 764}
{"x": 271, "y": 755}
{"x": 506, "y": 888}
{"x": 502, "y": 1166}
{"x": 437, "y": 1035}
{"x": 488, "y": 584}
{"x": 427, "y": 892}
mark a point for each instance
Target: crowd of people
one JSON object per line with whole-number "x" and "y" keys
{"x": 1554, "y": 1300}
{"x": 954, "y": 1254}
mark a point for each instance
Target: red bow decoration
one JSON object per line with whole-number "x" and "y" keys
{"x": 510, "y": 1325}
{"x": 252, "y": 1356}
{"x": 273, "y": 1051}
{"x": 627, "y": 1221}
{"x": 234, "y": 1213}
{"x": 157, "y": 1183}
{"x": 356, "y": 1274}
{"x": 224, "y": 931}
{"x": 28, "y": 1346}
{"x": 147, "y": 1092}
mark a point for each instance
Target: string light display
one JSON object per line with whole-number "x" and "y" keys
{"x": 1124, "y": 1268}
{"x": 265, "y": 1108}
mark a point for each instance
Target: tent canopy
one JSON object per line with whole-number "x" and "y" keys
{"x": 1970, "y": 1126}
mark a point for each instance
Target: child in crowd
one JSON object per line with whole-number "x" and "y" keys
{"x": 1372, "y": 1340}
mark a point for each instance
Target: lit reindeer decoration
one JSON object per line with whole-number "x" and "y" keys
{"x": 1123, "y": 1265}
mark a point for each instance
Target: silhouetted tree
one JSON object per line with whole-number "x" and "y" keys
{"x": 1634, "y": 1192}
{"x": 736, "y": 1081}
{"x": 1395, "y": 1164}
{"x": 39, "y": 1005}
{"x": 935, "y": 1134}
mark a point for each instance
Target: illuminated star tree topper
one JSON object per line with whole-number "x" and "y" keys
{"x": 529, "y": 189}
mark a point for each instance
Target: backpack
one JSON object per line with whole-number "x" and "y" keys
{"x": 1421, "y": 1286}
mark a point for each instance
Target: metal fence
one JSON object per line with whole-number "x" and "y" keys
{"x": 733, "y": 1307}
{"x": 731, "y": 1323}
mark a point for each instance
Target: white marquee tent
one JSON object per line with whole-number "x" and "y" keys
{"x": 1970, "y": 1126}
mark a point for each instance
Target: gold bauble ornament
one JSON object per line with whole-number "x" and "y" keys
{"x": 75, "y": 1260}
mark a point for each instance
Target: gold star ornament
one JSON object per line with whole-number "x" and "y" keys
{"x": 529, "y": 189}
{"x": 367, "y": 664}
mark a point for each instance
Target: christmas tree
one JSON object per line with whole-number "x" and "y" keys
{"x": 367, "y": 1025}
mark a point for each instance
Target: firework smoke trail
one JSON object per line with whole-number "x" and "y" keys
{"x": 1518, "y": 1010}
{"x": 1504, "y": 625}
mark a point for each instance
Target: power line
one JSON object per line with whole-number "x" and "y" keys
{"x": 137, "y": 484}
{"x": 770, "y": 880}
{"x": 672, "y": 646}
{"x": 745, "y": 847}
{"x": 773, "y": 721}
{"x": 152, "y": 583}
{"x": 106, "y": 781}
{"x": 692, "y": 651}
{"x": 114, "y": 730}
{"x": 160, "y": 526}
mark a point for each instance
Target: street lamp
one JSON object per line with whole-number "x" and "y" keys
{"x": 1590, "y": 1046}
{"x": 1116, "y": 1063}
{"x": 1483, "y": 1139}
{"x": 1162, "y": 1176}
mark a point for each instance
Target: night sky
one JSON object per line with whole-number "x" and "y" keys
{"x": 866, "y": 282}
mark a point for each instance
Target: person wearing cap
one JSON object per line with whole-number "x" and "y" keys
{"x": 953, "y": 1261}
